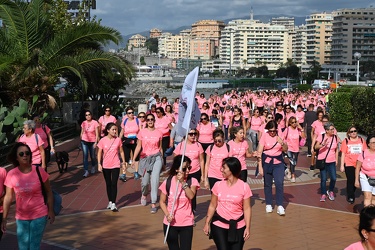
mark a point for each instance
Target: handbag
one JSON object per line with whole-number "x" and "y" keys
{"x": 320, "y": 164}
{"x": 302, "y": 142}
{"x": 57, "y": 199}
{"x": 370, "y": 180}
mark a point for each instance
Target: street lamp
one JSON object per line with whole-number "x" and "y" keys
{"x": 357, "y": 56}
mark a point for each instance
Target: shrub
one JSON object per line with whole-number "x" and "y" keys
{"x": 341, "y": 110}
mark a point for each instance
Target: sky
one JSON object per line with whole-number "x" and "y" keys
{"x": 134, "y": 16}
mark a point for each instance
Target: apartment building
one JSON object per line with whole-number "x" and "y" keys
{"x": 174, "y": 46}
{"x": 136, "y": 41}
{"x": 299, "y": 45}
{"x": 353, "y": 31}
{"x": 319, "y": 37}
{"x": 248, "y": 43}
{"x": 155, "y": 33}
{"x": 201, "y": 48}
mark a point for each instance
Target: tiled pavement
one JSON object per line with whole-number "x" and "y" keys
{"x": 86, "y": 224}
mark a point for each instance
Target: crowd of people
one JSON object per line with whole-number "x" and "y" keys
{"x": 270, "y": 127}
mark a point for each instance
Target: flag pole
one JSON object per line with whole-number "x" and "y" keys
{"x": 175, "y": 193}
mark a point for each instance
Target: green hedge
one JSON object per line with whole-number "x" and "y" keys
{"x": 353, "y": 106}
{"x": 304, "y": 87}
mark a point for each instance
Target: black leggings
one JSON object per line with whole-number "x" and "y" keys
{"x": 220, "y": 237}
{"x": 111, "y": 177}
{"x": 179, "y": 238}
{"x": 212, "y": 181}
{"x": 129, "y": 148}
{"x": 350, "y": 179}
{"x": 164, "y": 145}
{"x": 197, "y": 175}
{"x": 243, "y": 175}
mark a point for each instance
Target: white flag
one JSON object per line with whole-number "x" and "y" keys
{"x": 188, "y": 111}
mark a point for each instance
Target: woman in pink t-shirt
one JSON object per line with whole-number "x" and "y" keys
{"x": 89, "y": 140}
{"x": 215, "y": 155}
{"x": 105, "y": 119}
{"x": 327, "y": 146}
{"x": 316, "y": 129}
{"x": 169, "y": 113}
{"x": 239, "y": 148}
{"x": 149, "y": 148}
{"x": 365, "y": 169}
{"x": 32, "y": 208}
{"x": 229, "y": 213}
{"x": 206, "y": 109}
{"x": 254, "y": 124}
{"x": 35, "y": 142}
{"x": 205, "y": 129}
{"x": 300, "y": 115}
{"x": 130, "y": 126}
{"x": 45, "y": 134}
{"x": 142, "y": 119}
{"x": 292, "y": 135}
{"x": 351, "y": 148}
{"x": 194, "y": 151}
{"x": 109, "y": 162}
{"x": 271, "y": 166}
{"x": 164, "y": 125}
{"x": 181, "y": 219}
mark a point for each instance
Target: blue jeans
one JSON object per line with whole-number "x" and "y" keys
{"x": 30, "y": 233}
{"x": 86, "y": 148}
{"x": 294, "y": 156}
{"x": 274, "y": 172}
{"x": 330, "y": 168}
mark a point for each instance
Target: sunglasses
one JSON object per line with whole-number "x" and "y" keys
{"x": 142, "y": 116}
{"x": 158, "y": 112}
{"x": 27, "y": 153}
{"x": 204, "y": 119}
{"x": 353, "y": 131}
{"x": 192, "y": 134}
{"x": 271, "y": 131}
{"x": 150, "y": 119}
{"x": 129, "y": 113}
{"x": 87, "y": 114}
{"x": 287, "y": 108}
{"x": 218, "y": 141}
{"x": 293, "y": 122}
{"x": 187, "y": 168}
{"x": 270, "y": 117}
{"x": 107, "y": 110}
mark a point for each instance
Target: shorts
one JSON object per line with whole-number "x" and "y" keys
{"x": 364, "y": 184}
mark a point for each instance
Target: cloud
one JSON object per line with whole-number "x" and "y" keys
{"x": 132, "y": 16}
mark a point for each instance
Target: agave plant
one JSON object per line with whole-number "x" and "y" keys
{"x": 33, "y": 55}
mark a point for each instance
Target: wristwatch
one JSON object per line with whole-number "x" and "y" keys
{"x": 185, "y": 186}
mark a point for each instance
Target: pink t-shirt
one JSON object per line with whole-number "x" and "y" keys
{"x": 175, "y": 107}
{"x": 318, "y": 127}
{"x": 291, "y": 137}
{"x": 150, "y": 141}
{"x": 300, "y": 116}
{"x": 230, "y": 201}
{"x": 239, "y": 150}
{"x": 131, "y": 127}
{"x": 288, "y": 115}
{"x": 205, "y": 132}
{"x": 110, "y": 149}
{"x": 368, "y": 164}
{"x": 3, "y": 175}
{"x": 43, "y": 135}
{"x": 104, "y": 120}
{"x": 259, "y": 102}
{"x": 161, "y": 124}
{"x": 217, "y": 155}
{"x": 331, "y": 157}
{"x": 352, "y": 150}
{"x": 183, "y": 213}
{"x": 29, "y": 197}
{"x": 89, "y": 130}
{"x": 226, "y": 117}
{"x": 282, "y": 123}
{"x": 355, "y": 246}
{"x": 31, "y": 142}
{"x": 255, "y": 123}
{"x": 193, "y": 151}
{"x": 268, "y": 143}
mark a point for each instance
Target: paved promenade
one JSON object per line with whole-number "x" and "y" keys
{"x": 85, "y": 223}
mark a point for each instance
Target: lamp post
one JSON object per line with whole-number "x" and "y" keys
{"x": 357, "y": 56}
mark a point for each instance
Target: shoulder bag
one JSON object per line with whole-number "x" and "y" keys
{"x": 320, "y": 164}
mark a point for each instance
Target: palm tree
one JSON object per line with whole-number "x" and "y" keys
{"x": 33, "y": 56}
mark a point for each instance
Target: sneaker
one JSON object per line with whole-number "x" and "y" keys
{"x": 123, "y": 177}
{"x": 293, "y": 180}
{"x": 308, "y": 155}
{"x": 331, "y": 195}
{"x": 154, "y": 210}
{"x": 143, "y": 201}
{"x": 136, "y": 176}
{"x": 351, "y": 200}
{"x": 269, "y": 209}
{"x": 312, "y": 168}
{"x": 323, "y": 198}
{"x": 288, "y": 174}
{"x": 93, "y": 170}
{"x": 86, "y": 174}
{"x": 109, "y": 205}
{"x": 280, "y": 211}
{"x": 114, "y": 208}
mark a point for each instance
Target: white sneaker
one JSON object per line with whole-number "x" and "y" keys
{"x": 269, "y": 209}
{"x": 293, "y": 180}
{"x": 109, "y": 205}
{"x": 86, "y": 173}
{"x": 113, "y": 207}
{"x": 288, "y": 174}
{"x": 93, "y": 170}
{"x": 280, "y": 210}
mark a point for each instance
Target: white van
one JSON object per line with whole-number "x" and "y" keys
{"x": 320, "y": 84}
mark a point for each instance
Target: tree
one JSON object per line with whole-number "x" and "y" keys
{"x": 315, "y": 68}
{"x": 262, "y": 71}
{"x": 33, "y": 54}
{"x": 281, "y": 72}
{"x": 142, "y": 60}
{"x": 292, "y": 71}
{"x": 152, "y": 45}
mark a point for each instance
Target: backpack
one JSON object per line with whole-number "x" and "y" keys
{"x": 169, "y": 180}
{"x": 136, "y": 120}
{"x": 228, "y": 147}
